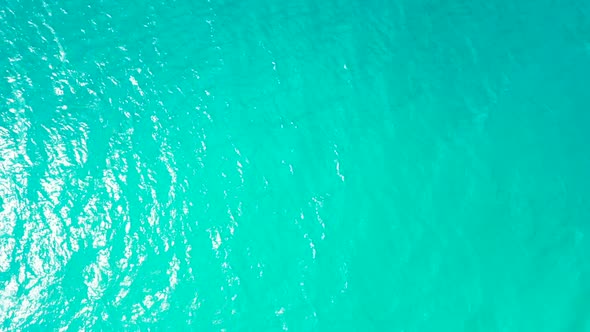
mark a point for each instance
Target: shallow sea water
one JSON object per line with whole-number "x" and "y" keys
{"x": 265, "y": 165}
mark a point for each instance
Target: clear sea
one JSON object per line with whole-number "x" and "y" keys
{"x": 269, "y": 165}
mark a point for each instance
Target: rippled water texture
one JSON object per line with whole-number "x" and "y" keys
{"x": 267, "y": 165}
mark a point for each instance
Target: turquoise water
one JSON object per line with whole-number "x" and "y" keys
{"x": 302, "y": 165}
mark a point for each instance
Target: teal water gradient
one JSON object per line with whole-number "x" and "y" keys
{"x": 268, "y": 165}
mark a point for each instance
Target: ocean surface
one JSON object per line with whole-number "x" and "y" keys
{"x": 267, "y": 165}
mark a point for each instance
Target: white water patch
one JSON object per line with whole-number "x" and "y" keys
{"x": 337, "y": 163}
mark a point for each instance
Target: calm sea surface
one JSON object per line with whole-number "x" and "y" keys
{"x": 267, "y": 165}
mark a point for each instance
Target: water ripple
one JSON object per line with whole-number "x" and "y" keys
{"x": 299, "y": 165}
